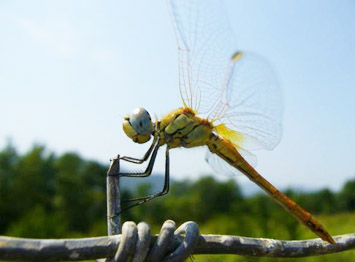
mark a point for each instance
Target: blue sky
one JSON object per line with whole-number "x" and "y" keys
{"x": 70, "y": 70}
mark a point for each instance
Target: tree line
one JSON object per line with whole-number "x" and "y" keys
{"x": 45, "y": 195}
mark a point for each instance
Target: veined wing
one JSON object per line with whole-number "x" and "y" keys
{"x": 205, "y": 45}
{"x": 228, "y": 87}
{"x": 251, "y": 105}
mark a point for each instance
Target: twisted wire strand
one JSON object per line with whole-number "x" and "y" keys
{"x": 136, "y": 244}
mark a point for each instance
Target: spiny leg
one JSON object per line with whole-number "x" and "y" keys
{"x": 149, "y": 168}
{"x": 145, "y": 157}
{"x": 142, "y": 200}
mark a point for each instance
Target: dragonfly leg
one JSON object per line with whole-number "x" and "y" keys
{"x": 142, "y": 200}
{"x": 145, "y": 157}
{"x": 149, "y": 168}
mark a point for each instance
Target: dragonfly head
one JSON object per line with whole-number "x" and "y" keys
{"x": 138, "y": 125}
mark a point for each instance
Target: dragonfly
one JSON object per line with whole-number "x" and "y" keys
{"x": 231, "y": 104}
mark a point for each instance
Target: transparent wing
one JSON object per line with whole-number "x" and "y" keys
{"x": 233, "y": 89}
{"x": 205, "y": 47}
{"x": 225, "y": 86}
{"x": 252, "y": 102}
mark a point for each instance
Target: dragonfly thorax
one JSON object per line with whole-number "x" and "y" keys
{"x": 182, "y": 127}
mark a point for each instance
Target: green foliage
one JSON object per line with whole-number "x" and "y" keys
{"x": 347, "y": 196}
{"x": 48, "y": 196}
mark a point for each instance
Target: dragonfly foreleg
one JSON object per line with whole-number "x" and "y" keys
{"x": 145, "y": 157}
{"x": 142, "y": 200}
{"x": 149, "y": 168}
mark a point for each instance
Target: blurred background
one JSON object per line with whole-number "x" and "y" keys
{"x": 70, "y": 71}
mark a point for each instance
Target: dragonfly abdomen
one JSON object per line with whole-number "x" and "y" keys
{"x": 225, "y": 149}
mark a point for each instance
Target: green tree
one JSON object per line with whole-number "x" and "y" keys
{"x": 80, "y": 191}
{"x": 347, "y": 196}
{"x": 8, "y": 161}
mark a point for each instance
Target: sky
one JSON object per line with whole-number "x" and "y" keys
{"x": 70, "y": 71}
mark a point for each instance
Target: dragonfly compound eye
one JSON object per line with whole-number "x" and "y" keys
{"x": 141, "y": 121}
{"x": 138, "y": 125}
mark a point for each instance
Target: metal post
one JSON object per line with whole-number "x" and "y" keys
{"x": 113, "y": 198}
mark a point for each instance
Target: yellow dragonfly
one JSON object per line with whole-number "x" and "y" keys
{"x": 231, "y": 104}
